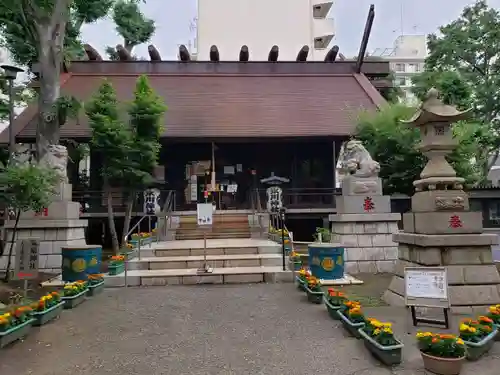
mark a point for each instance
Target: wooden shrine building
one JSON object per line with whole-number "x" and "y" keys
{"x": 240, "y": 121}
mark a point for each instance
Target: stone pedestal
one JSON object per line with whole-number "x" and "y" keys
{"x": 440, "y": 230}
{"x": 364, "y": 224}
{"x": 56, "y": 226}
{"x": 474, "y": 282}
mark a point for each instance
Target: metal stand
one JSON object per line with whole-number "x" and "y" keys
{"x": 416, "y": 320}
{"x": 205, "y": 267}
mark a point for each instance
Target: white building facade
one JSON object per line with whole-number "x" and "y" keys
{"x": 407, "y": 58}
{"x": 260, "y": 24}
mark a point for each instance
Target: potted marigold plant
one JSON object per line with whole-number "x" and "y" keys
{"x": 95, "y": 284}
{"x": 47, "y": 308}
{"x": 295, "y": 261}
{"x": 478, "y": 336}
{"x": 142, "y": 238}
{"x": 74, "y": 294}
{"x": 494, "y": 315}
{"x": 313, "y": 290}
{"x": 15, "y": 323}
{"x": 116, "y": 265}
{"x": 301, "y": 279}
{"x": 128, "y": 251}
{"x": 441, "y": 354}
{"x": 380, "y": 341}
{"x": 352, "y": 317}
{"x": 334, "y": 301}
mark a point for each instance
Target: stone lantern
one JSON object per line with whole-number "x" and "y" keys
{"x": 439, "y": 204}
{"x": 440, "y": 230}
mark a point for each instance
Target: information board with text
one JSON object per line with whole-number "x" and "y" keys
{"x": 426, "y": 287}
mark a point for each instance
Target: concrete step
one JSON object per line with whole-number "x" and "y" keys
{"x": 200, "y": 235}
{"x": 212, "y": 251}
{"x": 190, "y": 276}
{"x": 197, "y": 261}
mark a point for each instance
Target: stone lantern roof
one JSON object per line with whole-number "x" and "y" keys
{"x": 434, "y": 110}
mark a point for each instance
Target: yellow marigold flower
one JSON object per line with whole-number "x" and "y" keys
{"x": 376, "y": 331}
{"x": 387, "y": 330}
{"x": 464, "y": 327}
{"x": 460, "y": 342}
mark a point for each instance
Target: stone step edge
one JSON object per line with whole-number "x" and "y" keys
{"x": 247, "y": 275}
{"x": 194, "y": 258}
{"x": 250, "y": 244}
{"x": 194, "y": 272}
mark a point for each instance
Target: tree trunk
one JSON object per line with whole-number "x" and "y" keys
{"x": 51, "y": 33}
{"x": 111, "y": 220}
{"x": 11, "y": 249}
{"x": 128, "y": 217}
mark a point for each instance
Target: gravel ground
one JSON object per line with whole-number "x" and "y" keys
{"x": 242, "y": 329}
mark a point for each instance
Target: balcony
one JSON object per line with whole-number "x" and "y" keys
{"x": 321, "y": 8}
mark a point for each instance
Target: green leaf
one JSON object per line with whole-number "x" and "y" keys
{"x": 27, "y": 187}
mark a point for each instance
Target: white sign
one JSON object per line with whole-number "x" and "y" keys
{"x": 193, "y": 188}
{"x": 233, "y": 188}
{"x": 426, "y": 286}
{"x": 26, "y": 259}
{"x": 205, "y": 213}
{"x": 228, "y": 169}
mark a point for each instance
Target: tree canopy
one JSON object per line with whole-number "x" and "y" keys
{"x": 464, "y": 64}
{"x": 145, "y": 114}
{"x": 128, "y": 148}
{"x": 48, "y": 33}
{"x": 132, "y": 25}
{"x": 20, "y": 22}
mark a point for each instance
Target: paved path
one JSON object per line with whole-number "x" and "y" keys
{"x": 240, "y": 330}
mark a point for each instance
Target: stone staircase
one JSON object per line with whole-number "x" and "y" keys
{"x": 177, "y": 262}
{"x": 226, "y": 225}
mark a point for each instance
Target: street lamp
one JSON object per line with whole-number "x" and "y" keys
{"x": 10, "y": 74}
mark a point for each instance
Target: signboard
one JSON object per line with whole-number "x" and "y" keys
{"x": 205, "y": 212}
{"x": 26, "y": 259}
{"x": 193, "y": 188}
{"x": 426, "y": 286}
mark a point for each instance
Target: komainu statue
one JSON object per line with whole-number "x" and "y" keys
{"x": 57, "y": 158}
{"x": 355, "y": 160}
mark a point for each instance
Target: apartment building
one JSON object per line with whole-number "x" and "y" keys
{"x": 407, "y": 58}
{"x": 260, "y": 24}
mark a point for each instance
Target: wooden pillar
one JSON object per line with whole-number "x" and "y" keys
{"x": 334, "y": 156}
{"x": 294, "y": 176}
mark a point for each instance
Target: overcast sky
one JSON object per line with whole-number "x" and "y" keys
{"x": 419, "y": 17}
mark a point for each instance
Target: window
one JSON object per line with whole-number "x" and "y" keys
{"x": 413, "y": 68}
{"x": 494, "y": 211}
{"x": 400, "y": 67}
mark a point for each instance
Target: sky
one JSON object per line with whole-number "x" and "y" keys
{"x": 418, "y": 17}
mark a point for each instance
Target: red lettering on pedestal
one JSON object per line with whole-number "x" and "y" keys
{"x": 368, "y": 204}
{"x": 455, "y": 222}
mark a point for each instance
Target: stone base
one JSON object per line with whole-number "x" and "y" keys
{"x": 355, "y": 204}
{"x": 367, "y": 240}
{"x": 451, "y": 222}
{"x": 53, "y": 234}
{"x": 473, "y": 279}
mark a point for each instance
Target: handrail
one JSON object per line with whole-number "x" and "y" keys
{"x": 133, "y": 228}
{"x": 166, "y": 211}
